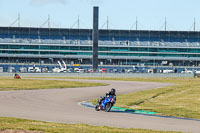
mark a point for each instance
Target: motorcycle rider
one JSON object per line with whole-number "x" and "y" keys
{"x": 16, "y": 76}
{"x": 112, "y": 93}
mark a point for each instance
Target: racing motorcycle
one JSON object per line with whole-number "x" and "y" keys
{"x": 106, "y": 104}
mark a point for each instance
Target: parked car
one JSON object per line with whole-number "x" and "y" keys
{"x": 186, "y": 71}
{"x": 34, "y": 69}
{"x": 79, "y": 70}
{"x": 23, "y": 69}
{"x": 130, "y": 71}
{"x": 103, "y": 70}
{"x": 70, "y": 70}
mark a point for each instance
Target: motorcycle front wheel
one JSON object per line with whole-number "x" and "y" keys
{"x": 108, "y": 107}
{"x": 97, "y": 108}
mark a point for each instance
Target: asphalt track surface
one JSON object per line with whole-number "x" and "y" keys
{"x": 61, "y": 105}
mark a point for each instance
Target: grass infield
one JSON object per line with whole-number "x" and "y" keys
{"x": 30, "y": 126}
{"x": 28, "y": 84}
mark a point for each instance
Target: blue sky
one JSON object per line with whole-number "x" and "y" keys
{"x": 151, "y": 14}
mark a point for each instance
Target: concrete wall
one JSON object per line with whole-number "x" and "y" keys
{"x": 113, "y": 75}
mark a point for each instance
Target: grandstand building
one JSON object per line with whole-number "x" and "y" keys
{"x": 116, "y": 47}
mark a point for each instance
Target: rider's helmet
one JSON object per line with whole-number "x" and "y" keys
{"x": 112, "y": 91}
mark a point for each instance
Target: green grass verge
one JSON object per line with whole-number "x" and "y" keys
{"x": 49, "y": 127}
{"x": 181, "y": 99}
{"x": 25, "y": 84}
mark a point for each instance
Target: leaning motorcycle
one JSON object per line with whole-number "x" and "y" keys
{"x": 106, "y": 104}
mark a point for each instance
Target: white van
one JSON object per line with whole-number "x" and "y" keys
{"x": 1, "y": 69}
{"x": 56, "y": 70}
{"x": 11, "y": 69}
{"x": 168, "y": 71}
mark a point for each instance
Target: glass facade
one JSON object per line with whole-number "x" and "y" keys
{"x": 118, "y": 45}
{"x": 103, "y": 50}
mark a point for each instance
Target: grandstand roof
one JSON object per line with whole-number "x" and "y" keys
{"x": 117, "y": 34}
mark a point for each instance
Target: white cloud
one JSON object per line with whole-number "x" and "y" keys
{"x": 62, "y": 2}
{"x": 46, "y": 2}
{"x": 95, "y": 2}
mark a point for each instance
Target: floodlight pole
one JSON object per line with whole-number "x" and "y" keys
{"x": 78, "y": 22}
{"x": 49, "y": 22}
{"x": 107, "y": 23}
{"x": 136, "y": 25}
{"x": 194, "y": 24}
{"x": 18, "y": 20}
{"x": 165, "y": 24}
